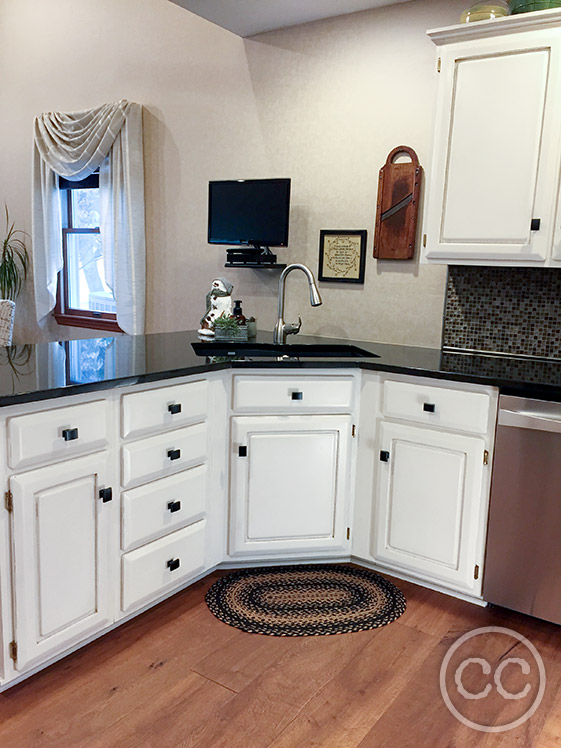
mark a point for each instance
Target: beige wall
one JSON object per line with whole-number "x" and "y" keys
{"x": 322, "y": 103}
{"x": 334, "y": 98}
{"x": 200, "y": 123}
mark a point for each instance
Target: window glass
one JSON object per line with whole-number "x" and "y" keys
{"x": 85, "y": 208}
{"x": 87, "y": 289}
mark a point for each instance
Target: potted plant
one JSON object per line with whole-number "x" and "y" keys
{"x": 14, "y": 264}
{"x": 227, "y": 327}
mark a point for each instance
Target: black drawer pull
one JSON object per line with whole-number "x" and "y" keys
{"x": 174, "y": 454}
{"x": 297, "y": 395}
{"x": 384, "y": 456}
{"x": 174, "y": 408}
{"x": 429, "y": 407}
{"x": 106, "y": 494}
{"x": 174, "y": 506}
{"x": 173, "y": 564}
{"x": 242, "y": 451}
{"x": 69, "y": 434}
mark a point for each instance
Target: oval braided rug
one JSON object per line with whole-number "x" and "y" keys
{"x": 311, "y": 600}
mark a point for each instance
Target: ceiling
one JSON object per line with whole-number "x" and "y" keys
{"x": 249, "y": 17}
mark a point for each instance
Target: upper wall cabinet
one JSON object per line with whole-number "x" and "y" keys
{"x": 494, "y": 185}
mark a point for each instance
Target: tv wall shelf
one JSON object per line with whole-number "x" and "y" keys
{"x": 253, "y": 265}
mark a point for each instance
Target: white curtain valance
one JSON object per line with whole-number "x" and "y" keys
{"x": 74, "y": 145}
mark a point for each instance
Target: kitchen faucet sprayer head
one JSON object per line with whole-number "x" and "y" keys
{"x": 315, "y": 298}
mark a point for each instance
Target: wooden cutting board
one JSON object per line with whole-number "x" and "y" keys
{"x": 398, "y": 207}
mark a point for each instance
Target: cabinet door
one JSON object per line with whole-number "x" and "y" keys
{"x": 496, "y": 151}
{"x": 61, "y": 553}
{"x": 429, "y": 501}
{"x": 289, "y": 484}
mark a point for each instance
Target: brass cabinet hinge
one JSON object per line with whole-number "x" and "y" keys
{"x": 354, "y": 430}
{"x": 9, "y": 501}
{"x": 348, "y": 533}
{"x": 424, "y": 240}
{"x": 476, "y": 572}
{"x": 439, "y": 65}
{"x": 486, "y": 457}
{"x": 14, "y": 651}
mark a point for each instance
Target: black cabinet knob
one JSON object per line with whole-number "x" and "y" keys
{"x": 297, "y": 395}
{"x": 429, "y": 407}
{"x": 384, "y": 456}
{"x": 174, "y": 506}
{"x": 174, "y": 408}
{"x": 242, "y": 451}
{"x": 535, "y": 224}
{"x": 69, "y": 434}
{"x": 106, "y": 494}
{"x": 173, "y": 564}
{"x": 174, "y": 454}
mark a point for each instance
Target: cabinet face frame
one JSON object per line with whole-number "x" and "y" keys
{"x": 536, "y": 252}
{"x": 220, "y": 402}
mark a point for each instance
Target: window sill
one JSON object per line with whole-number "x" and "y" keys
{"x": 91, "y": 323}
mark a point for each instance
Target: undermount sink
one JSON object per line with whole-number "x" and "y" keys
{"x": 277, "y": 350}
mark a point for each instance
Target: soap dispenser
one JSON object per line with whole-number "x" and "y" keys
{"x": 237, "y": 312}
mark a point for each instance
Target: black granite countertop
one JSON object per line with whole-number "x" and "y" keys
{"x": 49, "y": 370}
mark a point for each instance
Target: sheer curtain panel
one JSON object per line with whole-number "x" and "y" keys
{"x": 73, "y": 146}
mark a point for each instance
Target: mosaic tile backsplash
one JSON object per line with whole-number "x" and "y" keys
{"x": 503, "y": 310}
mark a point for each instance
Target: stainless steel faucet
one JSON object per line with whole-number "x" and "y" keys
{"x": 282, "y": 328}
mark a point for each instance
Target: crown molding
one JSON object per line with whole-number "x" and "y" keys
{"x": 536, "y": 21}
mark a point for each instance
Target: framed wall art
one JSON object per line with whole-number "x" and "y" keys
{"x": 342, "y": 255}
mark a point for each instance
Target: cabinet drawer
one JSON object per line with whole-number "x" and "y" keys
{"x": 292, "y": 394}
{"x": 164, "y": 454}
{"x": 437, "y": 406}
{"x": 162, "y": 564}
{"x": 57, "y": 433}
{"x": 160, "y": 508}
{"x": 163, "y": 408}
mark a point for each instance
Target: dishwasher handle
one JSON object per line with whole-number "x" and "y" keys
{"x": 524, "y": 420}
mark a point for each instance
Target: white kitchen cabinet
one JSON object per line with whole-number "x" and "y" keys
{"x": 493, "y": 188}
{"x": 165, "y": 454}
{"x": 289, "y": 484}
{"x": 429, "y": 504}
{"x": 163, "y": 506}
{"x": 62, "y": 556}
{"x": 162, "y": 565}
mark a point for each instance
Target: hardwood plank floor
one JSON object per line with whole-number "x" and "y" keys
{"x": 176, "y": 677}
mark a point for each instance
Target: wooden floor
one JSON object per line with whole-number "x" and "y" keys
{"x": 176, "y": 677}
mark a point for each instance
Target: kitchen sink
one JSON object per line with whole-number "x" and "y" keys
{"x": 277, "y": 350}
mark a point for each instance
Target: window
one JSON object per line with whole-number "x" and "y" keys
{"x": 83, "y": 298}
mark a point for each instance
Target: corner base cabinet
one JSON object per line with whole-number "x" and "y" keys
{"x": 289, "y": 484}
{"x": 429, "y": 504}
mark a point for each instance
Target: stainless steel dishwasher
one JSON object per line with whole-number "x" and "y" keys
{"x": 523, "y": 558}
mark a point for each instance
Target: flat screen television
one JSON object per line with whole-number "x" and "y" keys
{"x": 249, "y": 212}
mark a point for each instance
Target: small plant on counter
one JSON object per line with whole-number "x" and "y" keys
{"x": 227, "y": 327}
